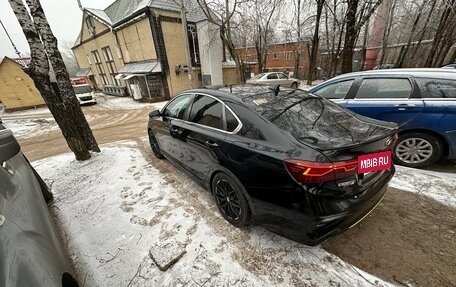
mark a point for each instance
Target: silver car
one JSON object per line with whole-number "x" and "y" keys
{"x": 274, "y": 78}
{"x": 30, "y": 250}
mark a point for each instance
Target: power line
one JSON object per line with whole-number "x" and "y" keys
{"x": 12, "y": 43}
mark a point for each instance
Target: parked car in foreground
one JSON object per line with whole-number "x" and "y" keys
{"x": 30, "y": 249}
{"x": 85, "y": 94}
{"x": 274, "y": 78}
{"x": 421, "y": 101}
{"x": 275, "y": 157}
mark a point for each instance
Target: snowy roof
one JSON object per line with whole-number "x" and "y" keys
{"x": 24, "y": 62}
{"x": 100, "y": 14}
{"x": 84, "y": 72}
{"x": 143, "y": 67}
{"x": 120, "y": 10}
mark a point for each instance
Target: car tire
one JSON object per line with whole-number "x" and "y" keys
{"x": 230, "y": 199}
{"x": 417, "y": 150}
{"x": 154, "y": 146}
{"x": 294, "y": 85}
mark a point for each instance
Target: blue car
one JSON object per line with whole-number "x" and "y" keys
{"x": 421, "y": 101}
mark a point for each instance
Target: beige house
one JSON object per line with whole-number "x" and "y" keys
{"x": 17, "y": 90}
{"x": 137, "y": 48}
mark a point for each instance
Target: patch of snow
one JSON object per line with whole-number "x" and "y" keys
{"x": 30, "y": 128}
{"x": 112, "y": 102}
{"x": 437, "y": 185}
{"x": 116, "y": 206}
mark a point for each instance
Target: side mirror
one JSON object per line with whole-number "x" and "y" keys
{"x": 154, "y": 114}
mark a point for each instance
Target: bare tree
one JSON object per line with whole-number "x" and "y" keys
{"x": 315, "y": 41}
{"x": 63, "y": 103}
{"x": 358, "y": 12}
{"x": 264, "y": 14}
{"x": 225, "y": 15}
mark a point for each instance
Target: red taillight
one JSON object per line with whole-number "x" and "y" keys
{"x": 314, "y": 172}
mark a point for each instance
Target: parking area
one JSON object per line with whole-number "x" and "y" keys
{"x": 121, "y": 222}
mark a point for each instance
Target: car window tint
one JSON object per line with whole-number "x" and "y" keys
{"x": 282, "y": 76}
{"x": 335, "y": 91}
{"x": 434, "y": 88}
{"x": 177, "y": 107}
{"x": 206, "y": 111}
{"x": 231, "y": 121}
{"x": 384, "y": 89}
{"x": 272, "y": 76}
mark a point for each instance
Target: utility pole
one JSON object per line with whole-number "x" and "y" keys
{"x": 187, "y": 44}
{"x": 12, "y": 43}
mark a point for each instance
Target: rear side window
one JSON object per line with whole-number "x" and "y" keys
{"x": 384, "y": 89}
{"x": 335, "y": 91}
{"x": 434, "y": 88}
{"x": 177, "y": 107}
{"x": 231, "y": 121}
{"x": 282, "y": 76}
{"x": 206, "y": 111}
{"x": 272, "y": 76}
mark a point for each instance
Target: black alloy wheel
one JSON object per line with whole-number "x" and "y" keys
{"x": 230, "y": 200}
{"x": 154, "y": 145}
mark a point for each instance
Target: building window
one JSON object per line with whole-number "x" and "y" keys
{"x": 275, "y": 55}
{"x": 112, "y": 70}
{"x": 288, "y": 55}
{"x": 99, "y": 65}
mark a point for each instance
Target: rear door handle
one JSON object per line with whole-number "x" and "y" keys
{"x": 212, "y": 144}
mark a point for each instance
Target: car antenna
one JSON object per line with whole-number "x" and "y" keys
{"x": 275, "y": 89}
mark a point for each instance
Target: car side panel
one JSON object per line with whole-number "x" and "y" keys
{"x": 200, "y": 147}
{"x": 439, "y": 115}
{"x": 31, "y": 254}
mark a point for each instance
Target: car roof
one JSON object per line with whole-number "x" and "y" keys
{"x": 237, "y": 93}
{"x": 416, "y": 72}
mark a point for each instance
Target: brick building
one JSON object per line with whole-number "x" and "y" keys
{"x": 280, "y": 57}
{"x": 137, "y": 48}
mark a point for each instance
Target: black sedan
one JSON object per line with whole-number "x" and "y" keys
{"x": 285, "y": 159}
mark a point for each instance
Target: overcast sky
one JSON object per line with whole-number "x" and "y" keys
{"x": 64, "y": 17}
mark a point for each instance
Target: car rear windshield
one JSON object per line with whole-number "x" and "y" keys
{"x": 314, "y": 120}
{"x": 82, "y": 89}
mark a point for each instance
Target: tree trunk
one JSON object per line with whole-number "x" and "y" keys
{"x": 418, "y": 44}
{"x": 315, "y": 43}
{"x": 387, "y": 30}
{"x": 63, "y": 79}
{"x": 296, "y": 73}
{"x": 403, "y": 54}
{"x": 39, "y": 72}
{"x": 350, "y": 36}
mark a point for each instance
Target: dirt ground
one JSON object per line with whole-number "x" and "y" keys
{"x": 408, "y": 239}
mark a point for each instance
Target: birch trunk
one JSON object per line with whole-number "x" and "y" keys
{"x": 63, "y": 79}
{"x": 39, "y": 72}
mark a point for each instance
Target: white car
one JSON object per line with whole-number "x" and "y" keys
{"x": 85, "y": 94}
{"x": 274, "y": 78}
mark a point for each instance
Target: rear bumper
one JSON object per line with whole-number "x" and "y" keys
{"x": 330, "y": 215}
{"x": 87, "y": 102}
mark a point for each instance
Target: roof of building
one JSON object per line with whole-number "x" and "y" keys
{"x": 121, "y": 10}
{"x": 143, "y": 67}
{"x": 24, "y": 61}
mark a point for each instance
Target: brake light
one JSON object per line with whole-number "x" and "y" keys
{"x": 315, "y": 172}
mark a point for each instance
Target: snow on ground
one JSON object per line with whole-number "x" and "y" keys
{"x": 111, "y": 102}
{"x": 30, "y": 128}
{"x": 436, "y": 185}
{"x": 116, "y": 206}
